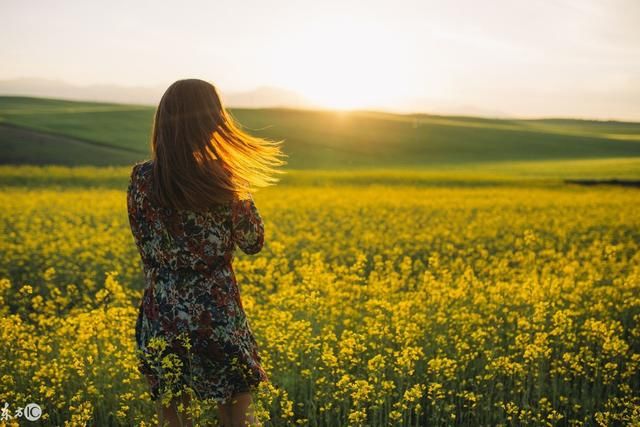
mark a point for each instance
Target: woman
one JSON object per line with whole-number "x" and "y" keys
{"x": 188, "y": 208}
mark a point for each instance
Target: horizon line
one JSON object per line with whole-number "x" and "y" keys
{"x": 314, "y": 108}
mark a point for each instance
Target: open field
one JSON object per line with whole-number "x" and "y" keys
{"x": 409, "y": 299}
{"x": 115, "y": 134}
{"x": 429, "y": 270}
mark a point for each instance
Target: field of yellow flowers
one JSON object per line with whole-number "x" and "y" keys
{"x": 373, "y": 305}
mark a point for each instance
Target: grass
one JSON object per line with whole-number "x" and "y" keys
{"x": 429, "y": 270}
{"x": 512, "y": 174}
{"x": 312, "y": 139}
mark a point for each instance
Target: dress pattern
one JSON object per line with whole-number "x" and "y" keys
{"x": 191, "y": 291}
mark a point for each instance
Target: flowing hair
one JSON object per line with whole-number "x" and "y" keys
{"x": 201, "y": 156}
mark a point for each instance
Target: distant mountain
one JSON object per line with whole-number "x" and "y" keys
{"x": 262, "y": 97}
{"x": 267, "y": 96}
{"x": 61, "y": 90}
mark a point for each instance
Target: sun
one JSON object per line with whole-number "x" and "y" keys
{"x": 348, "y": 64}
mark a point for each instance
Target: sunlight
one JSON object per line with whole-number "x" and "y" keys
{"x": 351, "y": 64}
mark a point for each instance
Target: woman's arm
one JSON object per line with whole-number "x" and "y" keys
{"x": 248, "y": 228}
{"x": 131, "y": 202}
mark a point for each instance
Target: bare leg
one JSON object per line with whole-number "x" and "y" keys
{"x": 224, "y": 414}
{"x": 171, "y": 416}
{"x": 242, "y": 414}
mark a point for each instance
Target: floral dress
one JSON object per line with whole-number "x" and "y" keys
{"x": 191, "y": 309}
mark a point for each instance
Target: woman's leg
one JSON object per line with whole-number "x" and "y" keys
{"x": 171, "y": 416}
{"x": 224, "y": 414}
{"x": 242, "y": 413}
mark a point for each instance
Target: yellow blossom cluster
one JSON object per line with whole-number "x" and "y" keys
{"x": 373, "y": 305}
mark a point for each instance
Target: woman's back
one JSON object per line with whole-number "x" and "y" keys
{"x": 189, "y": 207}
{"x": 191, "y": 289}
{"x": 197, "y": 240}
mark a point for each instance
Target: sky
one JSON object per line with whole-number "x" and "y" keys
{"x": 530, "y": 58}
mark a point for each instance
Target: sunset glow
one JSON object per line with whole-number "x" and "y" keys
{"x": 528, "y": 59}
{"x": 350, "y": 64}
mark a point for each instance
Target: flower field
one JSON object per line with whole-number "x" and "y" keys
{"x": 373, "y": 305}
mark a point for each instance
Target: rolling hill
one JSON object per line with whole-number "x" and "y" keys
{"x": 49, "y": 131}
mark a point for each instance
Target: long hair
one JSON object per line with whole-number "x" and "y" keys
{"x": 201, "y": 156}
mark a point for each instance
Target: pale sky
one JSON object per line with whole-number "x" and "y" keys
{"x": 570, "y": 58}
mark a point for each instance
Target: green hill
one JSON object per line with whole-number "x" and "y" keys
{"x": 49, "y": 131}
